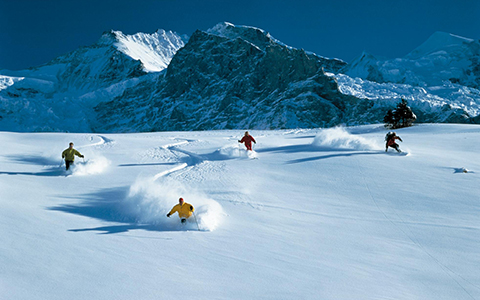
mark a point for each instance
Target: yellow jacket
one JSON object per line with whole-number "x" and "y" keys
{"x": 184, "y": 211}
{"x": 69, "y": 154}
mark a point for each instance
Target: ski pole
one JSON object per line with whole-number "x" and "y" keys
{"x": 196, "y": 221}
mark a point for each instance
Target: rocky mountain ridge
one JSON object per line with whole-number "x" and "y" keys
{"x": 61, "y": 95}
{"x": 231, "y": 77}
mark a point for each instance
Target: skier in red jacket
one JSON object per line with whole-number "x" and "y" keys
{"x": 390, "y": 139}
{"x": 247, "y": 139}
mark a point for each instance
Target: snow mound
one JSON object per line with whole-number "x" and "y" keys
{"x": 462, "y": 170}
{"x": 148, "y": 201}
{"x": 339, "y": 138}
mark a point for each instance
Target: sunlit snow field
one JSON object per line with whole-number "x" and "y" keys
{"x": 311, "y": 214}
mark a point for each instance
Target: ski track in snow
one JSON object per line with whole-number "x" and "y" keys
{"x": 194, "y": 159}
{"x": 411, "y": 236}
{"x": 103, "y": 141}
{"x": 164, "y": 173}
{"x": 428, "y": 253}
{"x": 95, "y": 163}
{"x": 173, "y": 148}
{"x": 208, "y": 212}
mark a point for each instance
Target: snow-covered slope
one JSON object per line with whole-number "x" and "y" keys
{"x": 440, "y": 79}
{"x": 449, "y": 103}
{"x": 60, "y": 95}
{"x": 321, "y": 214}
{"x": 441, "y": 41}
{"x": 113, "y": 58}
{"x": 154, "y": 50}
{"x": 443, "y": 57}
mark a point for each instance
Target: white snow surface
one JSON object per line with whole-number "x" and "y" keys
{"x": 428, "y": 98}
{"x": 155, "y": 50}
{"x": 310, "y": 214}
{"x": 442, "y": 58}
{"x": 439, "y": 41}
{"x": 61, "y": 95}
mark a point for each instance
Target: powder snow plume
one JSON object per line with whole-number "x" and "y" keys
{"x": 232, "y": 151}
{"x": 95, "y": 165}
{"x": 339, "y": 138}
{"x": 148, "y": 201}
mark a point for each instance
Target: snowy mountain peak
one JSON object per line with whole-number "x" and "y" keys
{"x": 442, "y": 58}
{"x": 231, "y": 77}
{"x": 82, "y": 78}
{"x": 224, "y": 29}
{"x": 438, "y": 41}
{"x": 234, "y": 77}
{"x": 254, "y": 35}
{"x": 364, "y": 57}
{"x": 154, "y": 50}
{"x": 220, "y": 28}
{"x": 108, "y": 38}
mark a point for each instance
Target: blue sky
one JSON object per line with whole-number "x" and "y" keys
{"x": 34, "y": 32}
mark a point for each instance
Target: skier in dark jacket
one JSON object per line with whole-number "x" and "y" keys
{"x": 390, "y": 141}
{"x": 247, "y": 139}
{"x": 69, "y": 155}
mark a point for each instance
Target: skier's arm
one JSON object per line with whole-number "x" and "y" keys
{"x": 254, "y": 140}
{"x": 174, "y": 209}
{"x": 63, "y": 153}
{"x": 192, "y": 208}
{"x": 78, "y": 154}
{"x": 400, "y": 139}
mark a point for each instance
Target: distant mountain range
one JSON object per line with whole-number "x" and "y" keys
{"x": 235, "y": 77}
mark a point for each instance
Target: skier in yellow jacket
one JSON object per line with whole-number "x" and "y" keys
{"x": 69, "y": 155}
{"x": 184, "y": 209}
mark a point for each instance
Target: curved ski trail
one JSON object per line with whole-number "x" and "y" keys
{"x": 195, "y": 159}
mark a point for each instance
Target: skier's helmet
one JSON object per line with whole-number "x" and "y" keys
{"x": 389, "y": 135}
{"x": 180, "y": 200}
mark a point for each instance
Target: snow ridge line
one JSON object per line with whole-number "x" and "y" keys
{"x": 177, "y": 168}
{"x": 173, "y": 147}
{"x": 195, "y": 158}
{"x": 168, "y": 146}
{"x": 103, "y": 141}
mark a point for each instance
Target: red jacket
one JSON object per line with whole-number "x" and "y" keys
{"x": 247, "y": 139}
{"x": 391, "y": 141}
